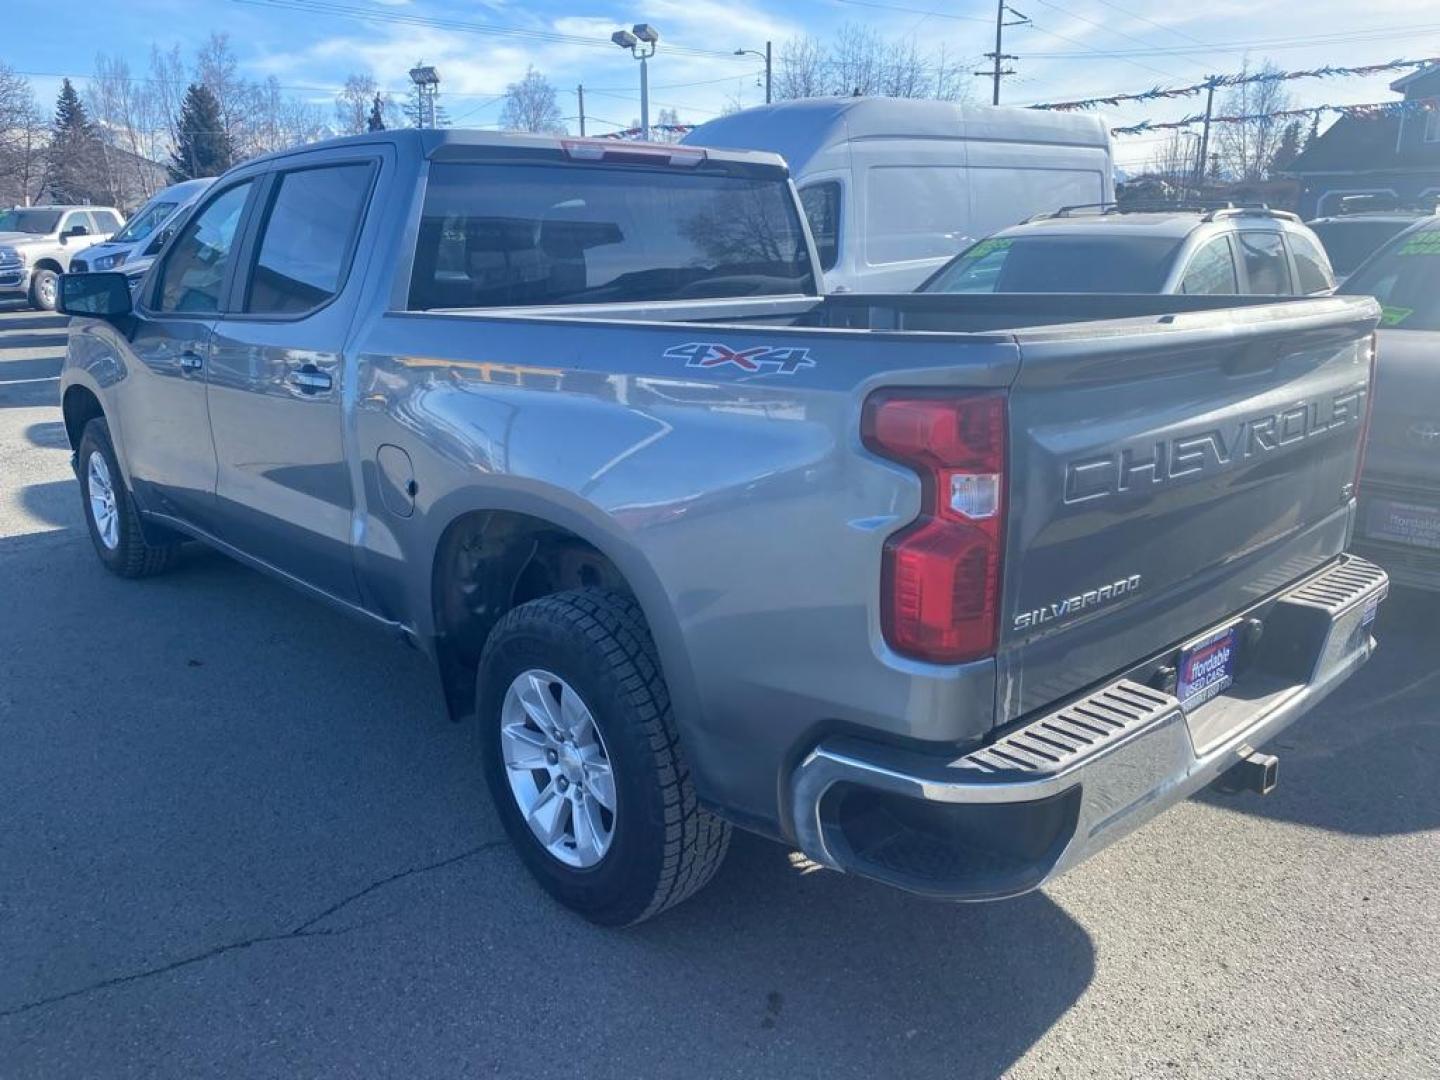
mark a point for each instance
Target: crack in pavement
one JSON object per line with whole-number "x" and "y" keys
{"x": 306, "y": 929}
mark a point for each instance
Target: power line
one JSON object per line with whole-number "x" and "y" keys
{"x": 914, "y": 11}
{"x": 1158, "y": 25}
{"x": 1102, "y": 26}
{"x": 1075, "y": 41}
{"x": 1335, "y": 38}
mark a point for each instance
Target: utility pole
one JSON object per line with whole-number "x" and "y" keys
{"x": 768, "y": 66}
{"x": 580, "y": 93}
{"x": 999, "y": 55}
{"x": 1205, "y": 132}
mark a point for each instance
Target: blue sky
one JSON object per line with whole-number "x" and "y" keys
{"x": 1073, "y": 47}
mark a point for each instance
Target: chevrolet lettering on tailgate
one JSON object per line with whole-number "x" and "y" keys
{"x": 1208, "y": 452}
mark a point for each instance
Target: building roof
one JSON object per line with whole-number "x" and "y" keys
{"x": 1352, "y": 144}
{"x": 1416, "y": 82}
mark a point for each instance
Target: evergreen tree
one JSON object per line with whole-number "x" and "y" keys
{"x": 76, "y": 174}
{"x": 377, "y": 115}
{"x": 202, "y": 145}
{"x": 1289, "y": 148}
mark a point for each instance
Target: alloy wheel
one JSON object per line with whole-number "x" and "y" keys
{"x": 103, "y": 511}
{"x": 558, "y": 768}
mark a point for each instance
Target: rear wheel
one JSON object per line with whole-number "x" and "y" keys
{"x": 110, "y": 512}
{"x": 584, "y": 763}
{"x": 44, "y": 284}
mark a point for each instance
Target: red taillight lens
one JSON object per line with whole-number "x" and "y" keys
{"x": 940, "y": 583}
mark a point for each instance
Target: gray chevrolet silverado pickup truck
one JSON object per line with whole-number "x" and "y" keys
{"x": 946, "y": 591}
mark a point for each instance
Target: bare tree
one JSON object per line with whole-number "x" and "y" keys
{"x": 121, "y": 107}
{"x": 1247, "y": 147}
{"x": 1175, "y": 161}
{"x": 353, "y": 104}
{"x": 530, "y": 105}
{"x": 22, "y": 139}
{"x": 801, "y": 70}
{"x": 860, "y": 61}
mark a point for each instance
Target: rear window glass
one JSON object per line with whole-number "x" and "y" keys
{"x": 1406, "y": 280}
{"x": 1349, "y": 243}
{"x": 503, "y": 235}
{"x": 1266, "y": 267}
{"x": 1064, "y": 264}
{"x": 1310, "y": 265}
{"x": 821, "y": 203}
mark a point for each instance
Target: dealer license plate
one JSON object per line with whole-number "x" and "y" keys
{"x": 1403, "y": 523}
{"x": 1207, "y": 667}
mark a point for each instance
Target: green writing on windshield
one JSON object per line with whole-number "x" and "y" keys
{"x": 1422, "y": 243}
{"x": 988, "y": 247}
{"x": 1394, "y": 316}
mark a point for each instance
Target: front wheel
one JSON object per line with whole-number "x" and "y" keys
{"x": 583, "y": 760}
{"x": 110, "y": 512}
{"x": 44, "y": 285}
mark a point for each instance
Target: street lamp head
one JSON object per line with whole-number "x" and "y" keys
{"x": 625, "y": 39}
{"x": 646, "y": 33}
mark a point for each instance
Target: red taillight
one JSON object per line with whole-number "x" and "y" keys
{"x": 1365, "y": 419}
{"x": 940, "y": 582}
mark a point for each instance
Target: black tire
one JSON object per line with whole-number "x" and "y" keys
{"x": 664, "y": 846}
{"x": 40, "y": 300}
{"x": 130, "y": 556}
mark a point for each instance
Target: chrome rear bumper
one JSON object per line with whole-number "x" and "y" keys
{"x": 1005, "y": 818}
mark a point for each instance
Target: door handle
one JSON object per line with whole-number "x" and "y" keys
{"x": 190, "y": 360}
{"x": 309, "y": 379}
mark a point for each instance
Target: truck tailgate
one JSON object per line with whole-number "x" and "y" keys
{"x": 1164, "y": 473}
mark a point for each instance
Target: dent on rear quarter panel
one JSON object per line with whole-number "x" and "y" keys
{"x": 738, "y": 504}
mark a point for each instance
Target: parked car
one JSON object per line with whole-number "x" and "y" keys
{"x": 135, "y": 246}
{"x": 1399, "y": 518}
{"x": 947, "y": 591}
{"x": 38, "y": 242}
{"x": 1112, "y": 249}
{"x": 1352, "y": 237}
{"x": 893, "y": 188}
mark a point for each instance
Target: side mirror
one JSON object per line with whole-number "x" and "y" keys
{"x": 159, "y": 242}
{"x": 100, "y": 296}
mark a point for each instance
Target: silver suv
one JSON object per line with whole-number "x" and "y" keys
{"x": 37, "y": 243}
{"x": 1114, "y": 249}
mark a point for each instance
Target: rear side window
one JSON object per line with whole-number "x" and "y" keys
{"x": 193, "y": 274}
{"x": 512, "y": 235}
{"x": 1266, "y": 267}
{"x": 1311, "y": 267}
{"x": 821, "y": 203}
{"x": 307, "y": 238}
{"x": 105, "y": 221}
{"x": 1211, "y": 270}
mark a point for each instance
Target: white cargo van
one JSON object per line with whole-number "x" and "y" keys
{"x": 893, "y": 188}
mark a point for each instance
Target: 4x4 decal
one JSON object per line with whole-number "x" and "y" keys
{"x": 785, "y": 360}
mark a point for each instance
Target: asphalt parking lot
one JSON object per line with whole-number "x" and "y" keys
{"x": 238, "y": 837}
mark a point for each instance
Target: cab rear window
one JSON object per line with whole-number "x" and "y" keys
{"x": 525, "y": 234}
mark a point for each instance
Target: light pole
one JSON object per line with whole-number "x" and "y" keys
{"x": 427, "y": 87}
{"x": 636, "y": 39}
{"x": 764, "y": 56}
